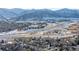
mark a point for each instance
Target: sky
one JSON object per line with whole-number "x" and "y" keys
{"x": 40, "y": 4}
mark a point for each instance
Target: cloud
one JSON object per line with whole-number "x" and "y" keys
{"x": 39, "y": 4}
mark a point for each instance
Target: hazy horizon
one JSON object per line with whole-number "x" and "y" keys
{"x": 42, "y": 8}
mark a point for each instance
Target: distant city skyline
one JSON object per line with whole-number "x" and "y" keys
{"x": 40, "y": 4}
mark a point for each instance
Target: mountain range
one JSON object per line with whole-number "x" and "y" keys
{"x": 27, "y": 14}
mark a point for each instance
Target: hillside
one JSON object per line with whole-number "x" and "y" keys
{"x": 37, "y": 14}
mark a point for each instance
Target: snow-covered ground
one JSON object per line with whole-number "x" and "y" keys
{"x": 8, "y": 35}
{"x": 36, "y": 32}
